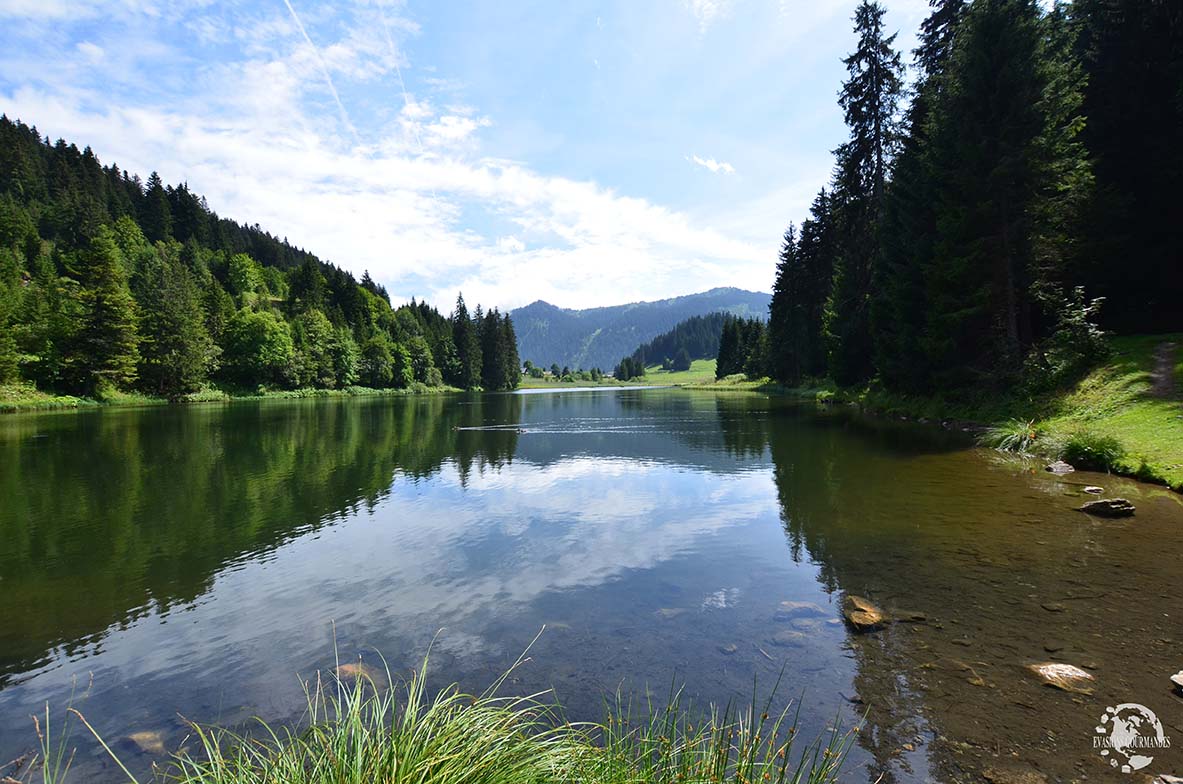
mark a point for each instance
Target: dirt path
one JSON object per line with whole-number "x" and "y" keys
{"x": 1163, "y": 374}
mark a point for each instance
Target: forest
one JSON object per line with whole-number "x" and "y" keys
{"x": 695, "y": 338}
{"x": 111, "y": 284}
{"x": 991, "y": 218}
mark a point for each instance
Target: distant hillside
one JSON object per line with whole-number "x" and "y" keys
{"x": 599, "y": 337}
{"x": 698, "y": 336}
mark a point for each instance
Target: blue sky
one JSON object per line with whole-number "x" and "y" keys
{"x": 587, "y": 153}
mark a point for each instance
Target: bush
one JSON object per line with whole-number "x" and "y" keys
{"x": 1092, "y": 452}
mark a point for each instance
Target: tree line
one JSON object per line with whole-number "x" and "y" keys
{"x": 984, "y": 224}
{"x": 111, "y": 283}
{"x": 695, "y": 338}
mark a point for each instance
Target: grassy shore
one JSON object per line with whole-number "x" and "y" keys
{"x": 26, "y": 397}
{"x": 701, "y": 371}
{"x": 1125, "y": 416}
{"x": 357, "y": 731}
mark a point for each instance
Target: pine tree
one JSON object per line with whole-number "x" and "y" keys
{"x": 1011, "y": 177}
{"x": 784, "y": 327}
{"x": 869, "y": 100}
{"x": 1132, "y": 54}
{"x": 510, "y": 360}
{"x": 467, "y": 374}
{"x": 175, "y": 349}
{"x": 156, "y": 219}
{"x": 899, "y": 307}
{"x": 104, "y": 355}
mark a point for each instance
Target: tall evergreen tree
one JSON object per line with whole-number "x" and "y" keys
{"x": 869, "y": 100}
{"x": 467, "y": 373}
{"x": 157, "y": 219}
{"x": 105, "y": 354}
{"x": 176, "y": 352}
{"x": 1010, "y": 176}
{"x": 1132, "y": 54}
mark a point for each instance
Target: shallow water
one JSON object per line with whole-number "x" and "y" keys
{"x": 197, "y": 562}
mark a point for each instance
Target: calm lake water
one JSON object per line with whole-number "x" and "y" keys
{"x": 199, "y": 561}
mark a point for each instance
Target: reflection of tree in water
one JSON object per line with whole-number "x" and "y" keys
{"x": 109, "y": 515}
{"x": 982, "y": 556}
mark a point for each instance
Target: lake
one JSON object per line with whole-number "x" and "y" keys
{"x": 198, "y": 561}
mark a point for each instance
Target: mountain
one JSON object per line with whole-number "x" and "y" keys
{"x": 599, "y": 337}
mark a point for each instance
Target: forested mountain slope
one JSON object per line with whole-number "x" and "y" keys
{"x": 599, "y": 337}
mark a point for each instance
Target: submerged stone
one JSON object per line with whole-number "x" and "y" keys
{"x": 1066, "y": 677}
{"x": 787, "y": 639}
{"x": 148, "y": 741}
{"x": 1094, "y": 489}
{"x": 1109, "y": 507}
{"x": 789, "y": 610}
{"x": 1059, "y": 467}
{"x": 356, "y": 670}
{"x": 862, "y": 615}
{"x": 1177, "y": 679}
{"x": 728, "y": 649}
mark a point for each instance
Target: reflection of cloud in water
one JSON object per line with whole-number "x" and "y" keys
{"x": 438, "y": 554}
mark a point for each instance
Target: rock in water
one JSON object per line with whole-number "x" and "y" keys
{"x": 148, "y": 741}
{"x": 787, "y": 639}
{"x": 1109, "y": 507}
{"x": 789, "y": 610}
{"x": 1059, "y": 467}
{"x": 729, "y": 649}
{"x": 1066, "y": 677}
{"x": 352, "y": 671}
{"x": 1094, "y": 490}
{"x": 1177, "y": 679}
{"x": 862, "y": 615}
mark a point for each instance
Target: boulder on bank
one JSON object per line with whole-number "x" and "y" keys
{"x": 1108, "y": 507}
{"x": 1059, "y": 467}
{"x": 1066, "y": 677}
{"x": 862, "y": 615}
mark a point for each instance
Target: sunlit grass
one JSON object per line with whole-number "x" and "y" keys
{"x": 358, "y": 732}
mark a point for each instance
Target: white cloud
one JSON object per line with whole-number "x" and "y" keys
{"x": 416, "y": 200}
{"x": 92, "y": 52}
{"x": 707, "y": 12}
{"x": 716, "y": 167}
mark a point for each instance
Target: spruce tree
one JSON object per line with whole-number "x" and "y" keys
{"x": 467, "y": 373}
{"x": 104, "y": 355}
{"x": 156, "y": 219}
{"x": 175, "y": 348}
{"x": 869, "y": 100}
{"x": 1011, "y": 176}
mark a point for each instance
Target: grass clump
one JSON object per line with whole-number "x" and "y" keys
{"x": 1013, "y": 435}
{"x": 1092, "y": 451}
{"x": 358, "y": 732}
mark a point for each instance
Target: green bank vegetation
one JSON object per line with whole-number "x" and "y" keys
{"x": 358, "y": 732}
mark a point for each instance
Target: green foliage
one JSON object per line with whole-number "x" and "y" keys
{"x": 1013, "y": 435}
{"x": 258, "y": 348}
{"x": 361, "y": 731}
{"x": 104, "y": 351}
{"x": 1091, "y": 451}
{"x": 244, "y": 278}
{"x": 176, "y": 353}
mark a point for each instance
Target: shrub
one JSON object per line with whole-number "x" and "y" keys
{"x": 1092, "y": 451}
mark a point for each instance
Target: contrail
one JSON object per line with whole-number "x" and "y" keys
{"x": 399, "y": 71}
{"x": 324, "y": 69}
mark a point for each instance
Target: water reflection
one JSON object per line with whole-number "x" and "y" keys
{"x": 192, "y": 561}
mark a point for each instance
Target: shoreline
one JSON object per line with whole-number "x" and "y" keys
{"x": 42, "y": 402}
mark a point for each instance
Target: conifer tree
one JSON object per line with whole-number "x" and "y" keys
{"x": 104, "y": 355}
{"x": 467, "y": 373}
{"x": 175, "y": 349}
{"x": 869, "y": 100}
{"x": 157, "y": 216}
